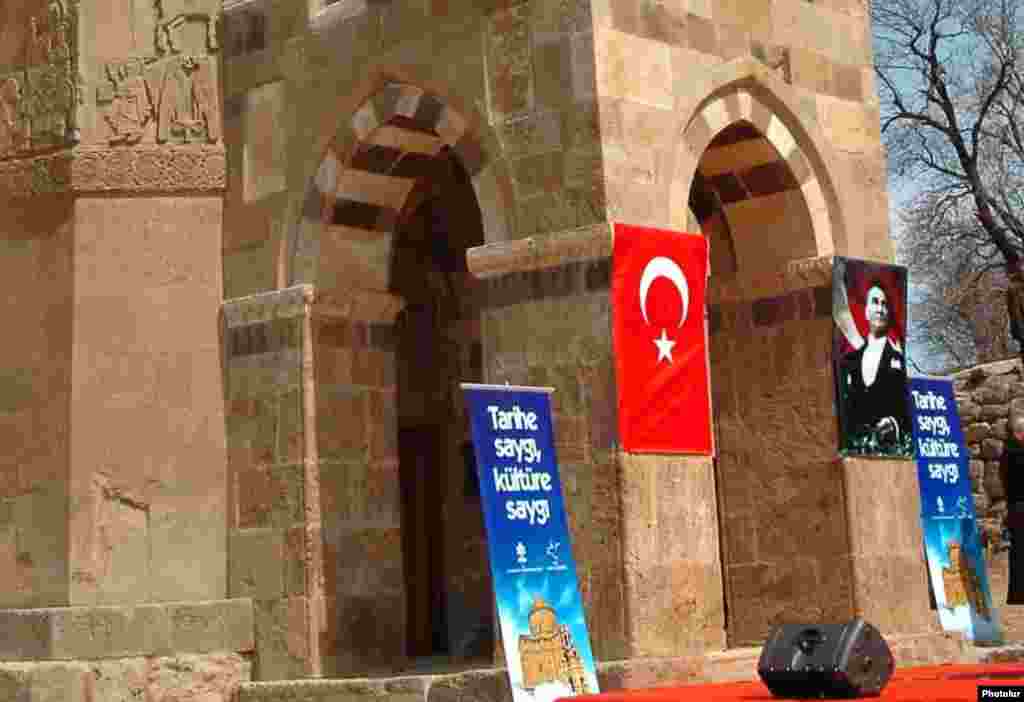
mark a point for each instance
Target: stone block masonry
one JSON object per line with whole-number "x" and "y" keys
{"x": 208, "y": 381}
{"x": 193, "y": 650}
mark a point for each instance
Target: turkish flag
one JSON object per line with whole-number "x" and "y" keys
{"x": 658, "y": 285}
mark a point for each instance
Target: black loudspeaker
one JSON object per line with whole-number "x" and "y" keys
{"x": 825, "y": 660}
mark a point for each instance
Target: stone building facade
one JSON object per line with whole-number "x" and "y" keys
{"x": 250, "y": 248}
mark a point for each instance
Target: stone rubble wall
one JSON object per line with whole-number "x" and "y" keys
{"x": 985, "y": 395}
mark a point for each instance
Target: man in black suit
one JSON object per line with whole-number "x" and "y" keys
{"x": 874, "y": 380}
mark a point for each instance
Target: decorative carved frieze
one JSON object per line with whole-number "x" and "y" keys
{"x": 145, "y": 168}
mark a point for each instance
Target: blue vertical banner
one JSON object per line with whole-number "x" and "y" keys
{"x": 543, "y": 627}
{"x": 956, "y": 561}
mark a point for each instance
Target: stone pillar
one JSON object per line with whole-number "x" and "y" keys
{"x": 113, "y": 510}
{"x": 148, "y": 478}
{"x": 564, "y": 279}
{"x": 889, "y": 576}
{"x": 672, "y": 569}
{"x": 115, "y": 214}
{"x": 356, "y": 433}
{"x": 315, "y": 516}
{"x": 780, "y": 488}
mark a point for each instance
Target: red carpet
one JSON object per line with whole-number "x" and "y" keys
{"x": 939, "y": 683}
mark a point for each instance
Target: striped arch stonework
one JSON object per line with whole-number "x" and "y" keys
{"x": 746, "y": 152}
{"x": 400, "y": 131}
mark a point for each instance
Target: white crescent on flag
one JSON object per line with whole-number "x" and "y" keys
{"x": 662, "y": 267}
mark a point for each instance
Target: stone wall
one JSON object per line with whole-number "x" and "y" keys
{"x": 565, "y": 116}
{"x": 572, "y": 353}
{"x": 985, "y": 395}
{"x": 35, "y": 385}
{"x": 339, "y": 120}
{"x": 659, "y": 73}
{"x": 771, "y": 387}
{"x": 267, "y": 517}
{"x": 148, "y": 478}
{"x": 156, "y": 651}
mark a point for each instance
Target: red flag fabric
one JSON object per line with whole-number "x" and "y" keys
{"x": 659, "y": 281}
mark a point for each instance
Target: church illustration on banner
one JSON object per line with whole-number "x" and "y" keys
{"x": 548, "y": 654}
{"x": 961, "y": 582}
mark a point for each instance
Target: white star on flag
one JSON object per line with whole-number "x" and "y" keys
{"x": 664, "y": 345}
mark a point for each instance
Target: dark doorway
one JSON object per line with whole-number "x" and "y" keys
{"x": 448, "y": 593}
{"x": 419, "y": 455}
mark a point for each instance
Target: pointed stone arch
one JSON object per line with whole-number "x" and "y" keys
{"x": 746, "y": 92}
{"x": 769, "y": 320}
{"x": 359, "y": 187}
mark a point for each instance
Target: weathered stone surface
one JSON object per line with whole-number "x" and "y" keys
{"x": 214, "y": 677}
{"x": 72, "y": 633}
{"x": 885, "y": 543}
{"x": 991, "y": 449}
{"x": 650, "y": 672}
{"x": 991, "y": 413}
{"x": 410, "y": 689}
{"x": 993, "y": 482}
{"x": 263, "y": 157}
{"x": 46, "y": 682}
{"x": 999, "y": 429}
{"x": 470, "y": 687}
{"x": 976, "y": 432}
{"x": 994, "y": 392}
{"x": 270, "y": 497}
{"x": 985, "y": 426}
{"x": 223, "y": 626}
{"x": 281, "y": 632}
{"x": 991, "y": 370}
{"x": 969, "y": 411}
{"x": 977, "y": 472}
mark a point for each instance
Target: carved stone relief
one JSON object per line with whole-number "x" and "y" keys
{"x": 38, "y": 101}
{"x": 174, "y": 20}
{"x": 13, "y": 130}
{"x": 170, "y": 96}
{"x": 182, "y": 83}
{"x": 128, "y": 110}
{"x": 186, "y": 100}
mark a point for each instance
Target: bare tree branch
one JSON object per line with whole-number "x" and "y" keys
{"x": 952, "y": 104}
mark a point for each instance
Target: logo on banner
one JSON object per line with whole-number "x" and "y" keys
{"x": 658, "y": 290}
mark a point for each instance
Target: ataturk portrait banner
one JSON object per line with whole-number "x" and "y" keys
{"x": 660, "y": 333}
{"x": 869, "y": 310}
